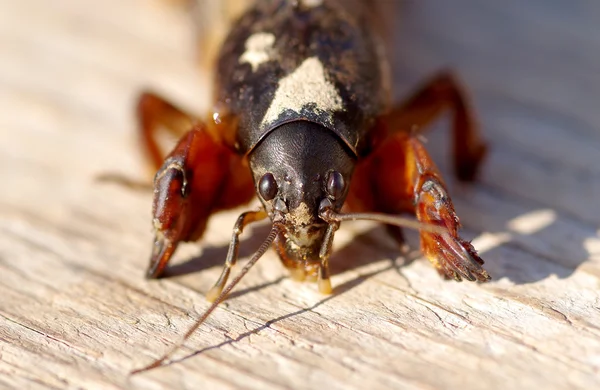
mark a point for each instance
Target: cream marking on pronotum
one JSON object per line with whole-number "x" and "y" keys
{"x": 311, "y": 3}
{"x": 306, "y": 85}
{"x": 259, "y": 49}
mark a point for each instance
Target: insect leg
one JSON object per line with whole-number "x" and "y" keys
{"x": 441, "y": 93}
{"x": 232, "y": 255}
{"x": 401, "y": 177}
{"x": 199, "y": 177}
{"x": 155, "y": 113}
{"x": 323, "y": 280}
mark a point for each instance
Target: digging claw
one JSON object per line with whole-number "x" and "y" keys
{"x": 455, "y": 258}
{"x": 162, "y": 251}
{"x": 171, "y": 215}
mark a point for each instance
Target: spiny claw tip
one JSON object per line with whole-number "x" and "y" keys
{"x": 484, "y": 276}
{"x": 162, "y": 251}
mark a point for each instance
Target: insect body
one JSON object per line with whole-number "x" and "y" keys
{"x": 303, "y": 119}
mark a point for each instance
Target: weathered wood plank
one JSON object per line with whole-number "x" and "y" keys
{"x": 76, "y": 312}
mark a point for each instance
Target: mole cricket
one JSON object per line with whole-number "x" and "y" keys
{"x": 302, "y": 119}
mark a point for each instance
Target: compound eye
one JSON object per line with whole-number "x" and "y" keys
{"x": 267, "y": 186}
{"x": 335, "y": 184}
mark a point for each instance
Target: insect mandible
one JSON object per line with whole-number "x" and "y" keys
{"x": 303, "y": 119}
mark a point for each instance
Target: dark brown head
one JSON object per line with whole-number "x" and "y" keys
{"x": 296, "y": 167}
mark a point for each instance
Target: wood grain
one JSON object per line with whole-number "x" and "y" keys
{"x": 76, "y": 311}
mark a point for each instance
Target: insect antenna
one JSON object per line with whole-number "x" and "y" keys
{"x": 261, "y": 251}
{"x": 330, "y": 215}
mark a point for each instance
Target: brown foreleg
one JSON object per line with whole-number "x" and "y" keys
{"x": 199, "y": 177}
{"x": 401, "y": 177}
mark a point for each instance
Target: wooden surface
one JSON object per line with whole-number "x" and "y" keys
{"x": 76, "y": 312}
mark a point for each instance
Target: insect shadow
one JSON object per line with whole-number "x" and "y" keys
{"x": 351, "y": 256}
{"x": 369, "y": 247}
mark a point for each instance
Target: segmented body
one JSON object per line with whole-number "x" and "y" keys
{"x": 318, "y": 61}
{"x": 301, "y": 120}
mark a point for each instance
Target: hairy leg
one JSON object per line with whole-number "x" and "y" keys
{"x": 401, "y": 177}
